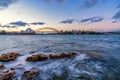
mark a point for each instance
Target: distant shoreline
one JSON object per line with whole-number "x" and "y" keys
{"x": 73, "y": 32}
{"x": 59, "y": 34}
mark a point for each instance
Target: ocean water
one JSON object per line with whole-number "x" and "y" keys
{"x": 98, "y": 56}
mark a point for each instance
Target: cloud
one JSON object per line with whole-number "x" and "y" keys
{"x": 68, "y": 21}
{"x": 91, "y": 20}
{"x": 116, "y": 16}
{"x": 37, "y": 23}
{"x": 6, "y": 3}
{"x": 118, "y": 6}
{"x": 114, "y": 21}
{"x": 57, "y": 1}
{"x": 47, "y": 1}
{"x": 9, "y": 26}
{"x": 15, "y": 24}
{"x": 88, "y": 3}
{"x": 19, "y": 23}
{"x": 86, "y": 20}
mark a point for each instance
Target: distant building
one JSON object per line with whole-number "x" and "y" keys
{"x": 28, "y": 31}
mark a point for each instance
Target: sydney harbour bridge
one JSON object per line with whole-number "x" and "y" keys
{"x": 47, "y": 30}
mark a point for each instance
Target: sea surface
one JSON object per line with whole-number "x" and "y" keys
{"x": 98, "y": 56}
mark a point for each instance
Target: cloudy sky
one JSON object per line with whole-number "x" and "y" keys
{"x": 99, "y": 15}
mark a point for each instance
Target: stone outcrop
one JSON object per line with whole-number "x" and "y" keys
{"x": 42, "y": 57}
{"x": 6, "y": 74}
{"x": 62, "y": 55}
{"x": 29, "y": 75}
{"x": 37, "y": 57}
{"x": 8, "y": 56}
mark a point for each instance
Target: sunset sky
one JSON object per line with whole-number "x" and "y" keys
{"x": 98, "y": 15}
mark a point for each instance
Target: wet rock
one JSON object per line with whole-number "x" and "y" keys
{"x": 6, "y": 74}
{"x": 70, "y": 54}
{"x": 32, "y": 73}
{"x": 84, "y": 76}
{"x": 37, "y": 57}
{"x": 8, "y": 56}
{"x": 54, "y": 56}
{"x": 62, "y": 55}
{"x": 42, "y": 57}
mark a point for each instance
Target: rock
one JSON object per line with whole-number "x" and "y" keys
{"x": 62, "y": 55}
{"x": 42, "y": 57}
{"x": 70, "y": 54}
{"x": 5, "y": 74}
{"x": 54, "y": 56}
{"x": 8, "y": 56}
{"x": 37, "y": 57}
{"x": 32, "y": 73}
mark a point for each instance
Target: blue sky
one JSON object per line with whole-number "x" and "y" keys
{"x": 99, "y": 15}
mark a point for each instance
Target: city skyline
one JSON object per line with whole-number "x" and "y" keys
{"x": 95, "y": 15}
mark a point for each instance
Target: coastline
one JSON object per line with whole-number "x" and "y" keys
{"x": 97, "y": 56}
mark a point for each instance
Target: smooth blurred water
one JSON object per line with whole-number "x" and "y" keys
{"x": 99, "y": 69}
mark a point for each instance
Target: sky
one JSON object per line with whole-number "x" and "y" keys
{"x": 95, "y": 15}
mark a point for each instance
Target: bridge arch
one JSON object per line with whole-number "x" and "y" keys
{"x": 49, "y": 28}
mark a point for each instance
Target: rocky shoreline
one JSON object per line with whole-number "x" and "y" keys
{"x": 42, "y": 57}
{"x": 84, "y": 65}
{"x": 10, "y": 74}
